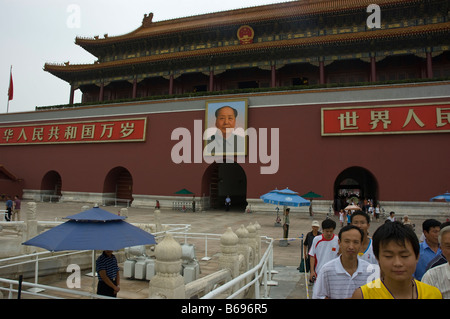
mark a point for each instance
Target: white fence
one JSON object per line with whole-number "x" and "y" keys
{"x": 255, "y": 278}
{"x": 260, "y": 276}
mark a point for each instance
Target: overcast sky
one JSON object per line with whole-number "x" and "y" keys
{"x": 34, "y": 32}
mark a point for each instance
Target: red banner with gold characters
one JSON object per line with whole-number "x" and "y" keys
{"x": 393, "y": 119}
{"x": 103, "y": 131}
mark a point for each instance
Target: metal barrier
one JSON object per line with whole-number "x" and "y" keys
{"x": 51, "y": 198}
{"x": 182, "y": 205}
{"x": 38, "y": 287}
{"x": 108, "y": 200}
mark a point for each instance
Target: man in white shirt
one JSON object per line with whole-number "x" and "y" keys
{"x": 361, "y": 220}
{"x": 324, "y": 248}
{"x": 339, "y": 277}
{"x": 439, "y": 276}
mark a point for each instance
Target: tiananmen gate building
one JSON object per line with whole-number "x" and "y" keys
{"x": 320, "y": 98}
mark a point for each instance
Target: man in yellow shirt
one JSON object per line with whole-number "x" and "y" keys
{"x": 396, "y": 248}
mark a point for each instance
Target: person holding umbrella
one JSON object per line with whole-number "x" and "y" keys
{"x": 108, "y": 274}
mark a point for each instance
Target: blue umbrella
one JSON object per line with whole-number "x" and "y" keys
{"x": 94, "y": 229}
{"x": 285, "y": 197}
{"x": 95, "y": 214}
{"x": 444, "y": 197}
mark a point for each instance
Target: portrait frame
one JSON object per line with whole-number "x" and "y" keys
{"x": 240, "y": 129}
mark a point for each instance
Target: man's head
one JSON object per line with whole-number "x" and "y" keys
{"x": 444, "y": 241}
{"x": 396, "y": 248}
{"x": 328, "y": 227}
{"x": 350, "y": 240}
{"x": 361, "y": 220}
{"x": 226, "y": 119}
{"x": 431, "y": 228}
{"x": 315, "y": 225}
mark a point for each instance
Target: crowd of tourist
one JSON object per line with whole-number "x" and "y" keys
{"x": 394, "y": 263}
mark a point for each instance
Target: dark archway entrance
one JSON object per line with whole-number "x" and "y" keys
{"x": 51, "y": 185}
{"x": 355, "y": 182}
{"x": 118, "y": 186}
{"x": 222, "y": 179}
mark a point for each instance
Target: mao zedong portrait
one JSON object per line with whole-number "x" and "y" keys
{"x": 225, "y": 138}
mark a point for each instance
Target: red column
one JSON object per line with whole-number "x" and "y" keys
{"x": 273, "y": 78}
{"x": 373, "y": 69}
{"x": 429, "y": 66}
{"x": 102, "y": 89}
{"x": 321, "y": 73}
{"x": 134, "y": 88}
{"x": 211, "y": 80}
{"x": 171, "y": 85}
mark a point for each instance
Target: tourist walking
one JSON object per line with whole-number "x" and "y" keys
{"x": 9, "y": 206}
{"x": 341, "y": 217}
{"x": 339, "y": 277}
{"x": 324, "y": 248}
{"x": 362, "y": 221}
{"x": 396, "y": 248}
{"x": 308, "y": 242}
{"x": 286, "y": 224}
{"x": 439, "y": 276}
{"x": 227, "y": 203}
{"x": 16, "y": 209}
{"x": 429, "y": 248}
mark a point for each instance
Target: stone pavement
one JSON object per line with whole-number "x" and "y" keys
{"x": 291, "y": 283}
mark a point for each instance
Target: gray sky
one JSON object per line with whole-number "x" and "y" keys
{"x": 35, "y": 32}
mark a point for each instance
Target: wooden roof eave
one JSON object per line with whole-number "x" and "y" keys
{"x": 62, "y": 71}
{"x": 7, "y": 173}
{"x": 233, "y": 17}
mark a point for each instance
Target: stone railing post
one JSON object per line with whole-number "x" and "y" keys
{"x": 252, "y": 244}
{"x": 123, "y": 212}
{"x": 229, "y": 258}
{"x": 243, "y": 248}
{"x": 158, "y": 226}
{"x": 32, "y": 226}
{"x": 168, "y": 282}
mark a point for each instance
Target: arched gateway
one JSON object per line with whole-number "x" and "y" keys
{"x": 355, "y": 181}
{"x": 222, "y": 179}
{"x": 118, "y": 185}
{"x": 51, "y": 185}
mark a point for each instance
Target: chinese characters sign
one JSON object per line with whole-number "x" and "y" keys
{"x": 124, "y": 130}
{"x": 386, "y": 120}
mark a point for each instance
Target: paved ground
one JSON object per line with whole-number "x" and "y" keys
{"x": 291, "y": 283}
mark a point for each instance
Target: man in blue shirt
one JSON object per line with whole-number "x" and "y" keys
{"x": 108, "y": 274}
{"x": 9, "y": 206}
{"x": 429, "y": 248}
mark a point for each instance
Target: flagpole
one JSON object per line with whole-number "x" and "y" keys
{"x": 7, "y": 105}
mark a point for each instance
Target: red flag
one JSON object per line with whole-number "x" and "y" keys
{"x": 11, "y": 87}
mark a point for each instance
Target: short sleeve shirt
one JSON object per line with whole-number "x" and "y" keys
{"x": 439, "y": 277}
{"x": 368, "y": 255}
{"x": 426, "y": 254}
{"x": 324, "y": 250}
{"x": 109, "y": 264}
{"x": 335, "y": 282}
